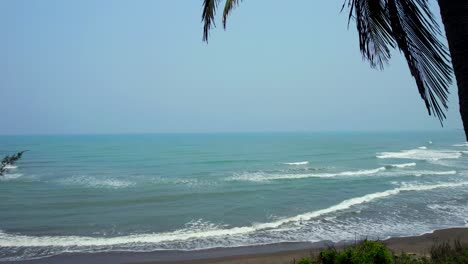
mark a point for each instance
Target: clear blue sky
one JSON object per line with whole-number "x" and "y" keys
{"x": 112, "y": 66}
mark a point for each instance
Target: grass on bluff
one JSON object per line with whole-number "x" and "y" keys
{"x": 370, "y": 252}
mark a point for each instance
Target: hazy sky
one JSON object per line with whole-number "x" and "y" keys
{"x": 111, "y": 66}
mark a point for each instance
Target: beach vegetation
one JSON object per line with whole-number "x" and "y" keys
{"x": 375, "y": 252}
{"x": 306, "y": 261}
{"x": 405, "y": 258}
{"x": 328, "y": 256}
{"x": 445, "y": 252}
{"x": 366, "y": 252}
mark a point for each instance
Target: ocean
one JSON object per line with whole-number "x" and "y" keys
{"x": 149, "y": 192}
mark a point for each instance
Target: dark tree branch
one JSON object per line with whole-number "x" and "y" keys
{"x": 10, "y": 160}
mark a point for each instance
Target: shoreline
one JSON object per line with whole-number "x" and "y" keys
{"x": 270, "y": 253}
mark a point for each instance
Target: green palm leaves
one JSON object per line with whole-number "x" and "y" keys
{"x": 410, "y": 26}
{"x": 209, "y": 11}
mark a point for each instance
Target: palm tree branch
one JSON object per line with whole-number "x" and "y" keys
{"x": 415, "y": 31}
{"x": 209, "y": 11}
{"x": 228, "y": 7}
{"x": 9, "y": 160}
{"x": 373, "y": 27}
{"x": 380, "y": 24}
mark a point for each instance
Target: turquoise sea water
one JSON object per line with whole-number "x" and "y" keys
{"x": 192, "y": 191}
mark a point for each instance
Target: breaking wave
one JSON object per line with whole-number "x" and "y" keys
{"x": 423, "y": 173}
{"x": 403, "y": 165}
{"x": 297, "y": 163}
{"x": 94, "y": 182}
{"x": 260, "y": 176}
{"x": 382, "y": 171}
{"x": 420, "y": 154}
{"x": 202, "y": 230}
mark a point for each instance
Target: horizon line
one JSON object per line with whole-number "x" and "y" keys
{"x": 232, "y": 132}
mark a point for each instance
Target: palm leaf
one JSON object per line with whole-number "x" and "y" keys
{"x": 385, "y": 24}
{"x": 411, "y": 25}
{"x": 415, "y": 31}
{"x": 373, "y": 27}
{"x": 209, "y": 11}
{"x": 228, "y": 7}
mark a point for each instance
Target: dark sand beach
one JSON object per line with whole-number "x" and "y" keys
{"x": 281, "y": 253}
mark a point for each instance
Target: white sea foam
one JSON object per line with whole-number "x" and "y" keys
{"x": 297, "y": 163}
{"x": 402, "y": 165}
{"x": 450, "y": 209}
{"x": 421, "y": 154}
{"x": 381, "y": 172}
{"x": 10, "y": 176}
{"x": 416, "y": 173}
{"x": 260, "y": 176}
{"x": 10, "y": 167}
{"x": 424, "y": 173}
{"x": 346, "y": 204}
{"x": 465, "y": 144}
{"x": 423, "y": 147}
{"x": 200, "y": 231}
{"x": 94, "y": 182}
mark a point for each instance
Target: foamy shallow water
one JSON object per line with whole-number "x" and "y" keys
{"x": 151, "y": 192}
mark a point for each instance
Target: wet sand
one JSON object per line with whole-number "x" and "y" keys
{"x": 281, "y": 253}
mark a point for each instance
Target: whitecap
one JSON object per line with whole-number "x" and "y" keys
{"x": 94, "y": 182}
{"x": 261, "y": 176}
{"x": 420, "y": 154}
{"x": 416, "y": 173}
{"x": 297, "y": 163}
{"x": 465, "y": 144}
{"x": 402, "y": 165}
{"x": 10, "y": 176}
{"x": 10, "y": 167}
{"x": 381, "y": 172}
{"x": 424, "y": 173}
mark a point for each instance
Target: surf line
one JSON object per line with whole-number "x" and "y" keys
{"x": 11, "y": 240}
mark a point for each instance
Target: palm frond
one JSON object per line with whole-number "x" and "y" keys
{"x": 209, "y": 11}
{"x": 228, "y": 7}
{"x": 415, "y": 31}
{"x": 411, "y": 25}
{"x": 384, "y": 24}
{"x": 373, "y": 27}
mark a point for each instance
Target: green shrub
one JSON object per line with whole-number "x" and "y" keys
{"x": 345, "y": 257}
{"x": 328, "y": 256}
{"x": 366, "y": 252}
{"x": 370, "y": 252}
{"x": 306, "y": 261}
